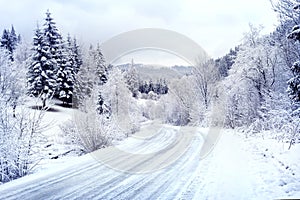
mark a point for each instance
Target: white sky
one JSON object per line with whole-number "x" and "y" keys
{"x": 216, "y": 25}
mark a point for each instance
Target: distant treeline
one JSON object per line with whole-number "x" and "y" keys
{"x": 158, "y": 87}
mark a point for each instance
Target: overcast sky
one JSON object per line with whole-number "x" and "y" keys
{"x": 216, "y": 25}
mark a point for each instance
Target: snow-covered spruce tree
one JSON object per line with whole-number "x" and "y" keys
{"x": 41, "y": 72}
{"x": 45, "y": 60}
{"x": 65, "y": 73}
{"x": 101, "y": 69}
{"x": 13, "y": 38}
{"x": 34, "y": 74}
{"x": 93, "y": 72}
{"x": 53, "y": 46}
{"x": 9, "y": 41}
{"x": 132, "y": 79}
{"x": 84, "y": 81}
{"x": 76, "y": 51}
{"x": 5, "y": 40}
{"x": 52, "y": 37}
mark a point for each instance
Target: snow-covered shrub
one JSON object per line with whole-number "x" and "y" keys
{"x": 174, "y": 112}
{"x": 19, "y": 136}
{"x": 148, "y": 109}
{"x": 91, "y": 130}
{"x": 152, "y": 95}
{"x": 190, "y": 97}
{"x": 198, "y": 114}
{"x": 19, "y": 127}
{"x": 118, "y": 98}
{"x": 179, "y": 103}
{"x": 255, "y": 75}
{"x": 88, "y": 130}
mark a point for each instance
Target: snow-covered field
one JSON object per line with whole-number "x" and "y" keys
{"x": 153, "y": 167}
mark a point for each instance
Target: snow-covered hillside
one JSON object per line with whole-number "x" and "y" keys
{"x": 155, "y": 72}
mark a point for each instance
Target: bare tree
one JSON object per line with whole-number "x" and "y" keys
{"x": 206, "y": 76}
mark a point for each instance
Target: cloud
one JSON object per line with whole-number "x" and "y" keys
{"x": 216, "y": 25}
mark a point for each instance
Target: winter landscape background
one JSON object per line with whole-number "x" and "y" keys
{"x": 67, "y": 117}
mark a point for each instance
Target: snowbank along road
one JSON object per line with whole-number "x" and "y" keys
{"x": 159, "y": 162}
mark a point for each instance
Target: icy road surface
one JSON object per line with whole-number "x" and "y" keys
{"x": 163, "y": 162}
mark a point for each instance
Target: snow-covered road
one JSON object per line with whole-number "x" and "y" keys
{"x": 160, "y": 162}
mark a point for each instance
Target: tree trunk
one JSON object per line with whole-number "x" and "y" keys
{"x": 44, "y": 102}
{"x": 14, "y": 111}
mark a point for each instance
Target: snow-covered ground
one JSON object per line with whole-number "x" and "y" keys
{"x": 54, "y": 149}
{"x": 163, "y": 162}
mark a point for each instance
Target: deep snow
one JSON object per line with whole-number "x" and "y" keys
{"x": 237, "y": 168}
{"x": 149, "y": 165}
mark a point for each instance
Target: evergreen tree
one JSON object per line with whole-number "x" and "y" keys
{"x": 93, "y": 72}
{"x": 101, "y": 69}
{"x": 52, "y": 57}
{"x": 51, "y": 34}
{"x": 13, "y": 38}
{"x": 146, "y": 87}
{"x": 9, "y": 41}
{"x": 131, "y": 77}
{"x": 19, "y": 38}
{"x": 225, "y": 63}
{"x": 35, "y": 69}
{"x": 41, "y": 73}
{"x": 83, "y": 84}
{"x": 141, "y": 87}
{"x": 65, "y": 74}
{"x": 77, "y": 56}
{"x": 102, "y": 73}
{"x": 165, "y": 87}
{"x": 52, "y": 40}
{"x": 158, "y": 87}
{"x": 5, "y": 40}
{"x": 69, "y": 63}
{"x": 151, "y": 86}
{"x": 6, "y": 43}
